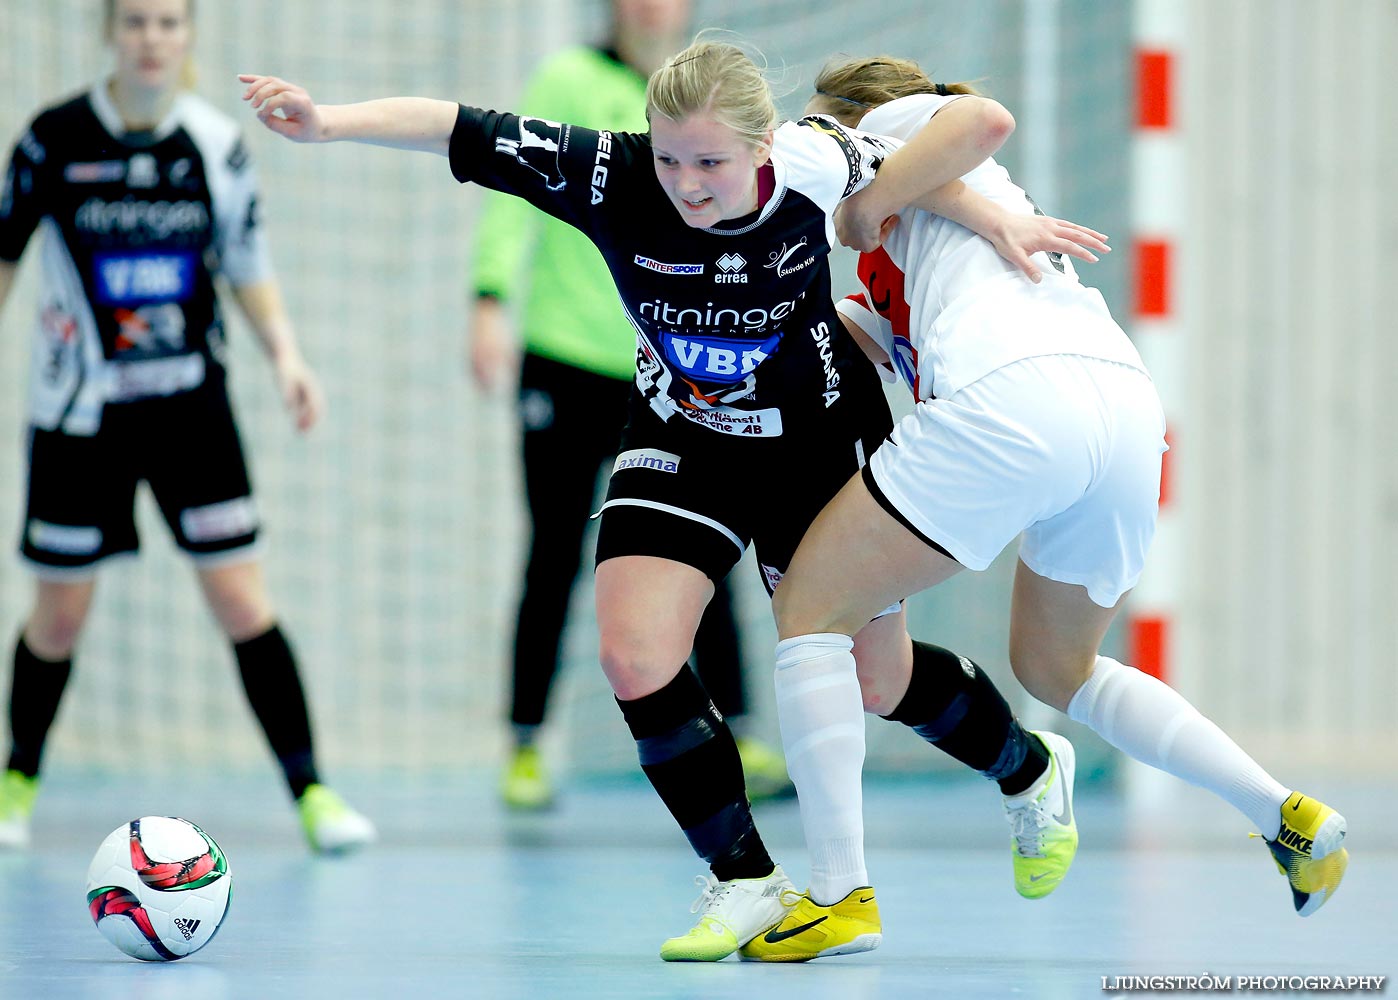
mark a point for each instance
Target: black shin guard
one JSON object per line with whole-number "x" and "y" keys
{"x": 273, "y": 686}
{"x": 688, "y": 753}
{"x": 953, "y": 705}
{"x": 35, "y": 691}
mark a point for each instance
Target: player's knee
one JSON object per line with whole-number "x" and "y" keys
{"x": 242, "y": 616}
{"x": 873, "y": 693}
{"x": 796, "y": 614}
{"x": 53, "y": 632}
{"x": 632, "y": 668}
{"x": 881, "y": 684}
{"x": 1052, "y": 680}
{"x": 58, "y": 616}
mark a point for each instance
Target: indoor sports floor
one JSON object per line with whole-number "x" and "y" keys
{"x": 461, "y": 899}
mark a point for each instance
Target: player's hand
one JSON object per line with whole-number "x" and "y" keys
{"x": 301, "y": 120}
{"x": 860, "y": 228}
{"x": 1018, "y": 237}
{"x": 301, "y": 392}
{"x": 491, "y": 351}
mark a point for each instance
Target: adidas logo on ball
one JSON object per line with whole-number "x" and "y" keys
{"x": 186, "y": 927}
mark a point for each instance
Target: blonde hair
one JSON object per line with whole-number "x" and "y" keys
{"x": 846, "y": 90}
{"x": 717, "y": 78}
{"x": 188, "y": 75}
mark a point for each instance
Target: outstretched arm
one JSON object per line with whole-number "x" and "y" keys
{"x": 419, "y": 123}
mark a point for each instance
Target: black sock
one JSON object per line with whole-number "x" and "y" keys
{"x": 688, "y": 753}
{"x": 35, "y": 690}
{"x": 273, "y": 686}
{"x": 953, "y": 705}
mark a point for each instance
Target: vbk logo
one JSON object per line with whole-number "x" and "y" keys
{"x": 716, "y": 359}
{"x": 730, "y": 267}
{"x": 124, "y": 279}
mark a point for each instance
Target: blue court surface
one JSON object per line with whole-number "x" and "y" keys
{"x": 462, "y": 899}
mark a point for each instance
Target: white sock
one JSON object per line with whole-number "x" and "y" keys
{"x": 822, "y": 722}
{"x": 1149, "y": 720}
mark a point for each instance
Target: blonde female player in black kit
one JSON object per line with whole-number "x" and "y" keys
{"x": 142, "y": 192}
{"x": 579, "y": 353}
{"x": 751, "y": 403}
{"x": 1035, "y": 418}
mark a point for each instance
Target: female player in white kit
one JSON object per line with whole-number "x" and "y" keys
{"x": 1035, "y": 417}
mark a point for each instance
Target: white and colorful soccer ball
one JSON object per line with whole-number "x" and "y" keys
{"x": 158, "y": 888}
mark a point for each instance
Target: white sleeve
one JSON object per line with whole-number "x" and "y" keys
{"x": 831, "y": 162}
{"x": 239, "y": 239}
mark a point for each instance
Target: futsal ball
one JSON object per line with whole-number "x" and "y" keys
{"x": 158, "y": 888}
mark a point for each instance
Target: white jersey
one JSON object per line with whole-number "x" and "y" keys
{"x": 948, "y": 308}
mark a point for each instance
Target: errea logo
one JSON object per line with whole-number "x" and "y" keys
{"x": 730, "y": 267}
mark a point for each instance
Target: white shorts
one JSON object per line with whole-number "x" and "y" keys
{"x": 1063, "y": 449}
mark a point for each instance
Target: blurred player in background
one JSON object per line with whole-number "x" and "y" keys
{"x": 576, "y": 374}
{"x": 753, "y": 405}
{"x": 1034, "y": 417}
{"x": 143, "y": 193}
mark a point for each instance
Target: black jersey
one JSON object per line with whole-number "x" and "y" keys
{"x": 736, "y": 328}
{"x": 135, "y": 225}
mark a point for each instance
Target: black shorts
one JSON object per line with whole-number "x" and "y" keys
{"x": 82, "y": 490}
{"x": 697, "y": 496}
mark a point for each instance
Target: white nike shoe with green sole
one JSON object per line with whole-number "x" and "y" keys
{"x": 1044, "y": 837}
{"x": 730, "y": 915}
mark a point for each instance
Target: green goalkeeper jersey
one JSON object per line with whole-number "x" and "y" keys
{"x": 570, "y": 311}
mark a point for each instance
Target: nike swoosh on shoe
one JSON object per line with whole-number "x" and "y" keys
{"x": 1066, "y": 816}
{"x": 773, "y": 936}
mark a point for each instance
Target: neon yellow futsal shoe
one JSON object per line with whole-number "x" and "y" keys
{"x": 17, "y": 793}
{"x": 1044, "y": 834}
{"x": 810, "y": 930}
{"x": 764, "y": 771}
{"x": 1309, "y": 852}
{"x": 331, "y": 825}
{"x": 525, "y": 783}
{"x": 730, "y": 915}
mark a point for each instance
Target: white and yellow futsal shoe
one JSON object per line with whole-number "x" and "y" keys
{"x": 730, "y": 915}
{"x": 810, "y": 930}
{"x": 17, "y": 794}
{"x": 1308, "y": 851}
{"x": 1044, "y": 835}
{"x": 331, "y": 824}
{"x": 525, "y": 785}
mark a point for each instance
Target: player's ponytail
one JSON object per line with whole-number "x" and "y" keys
{"x": 846, "y": 90}
{"x": 719, "y": 79}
